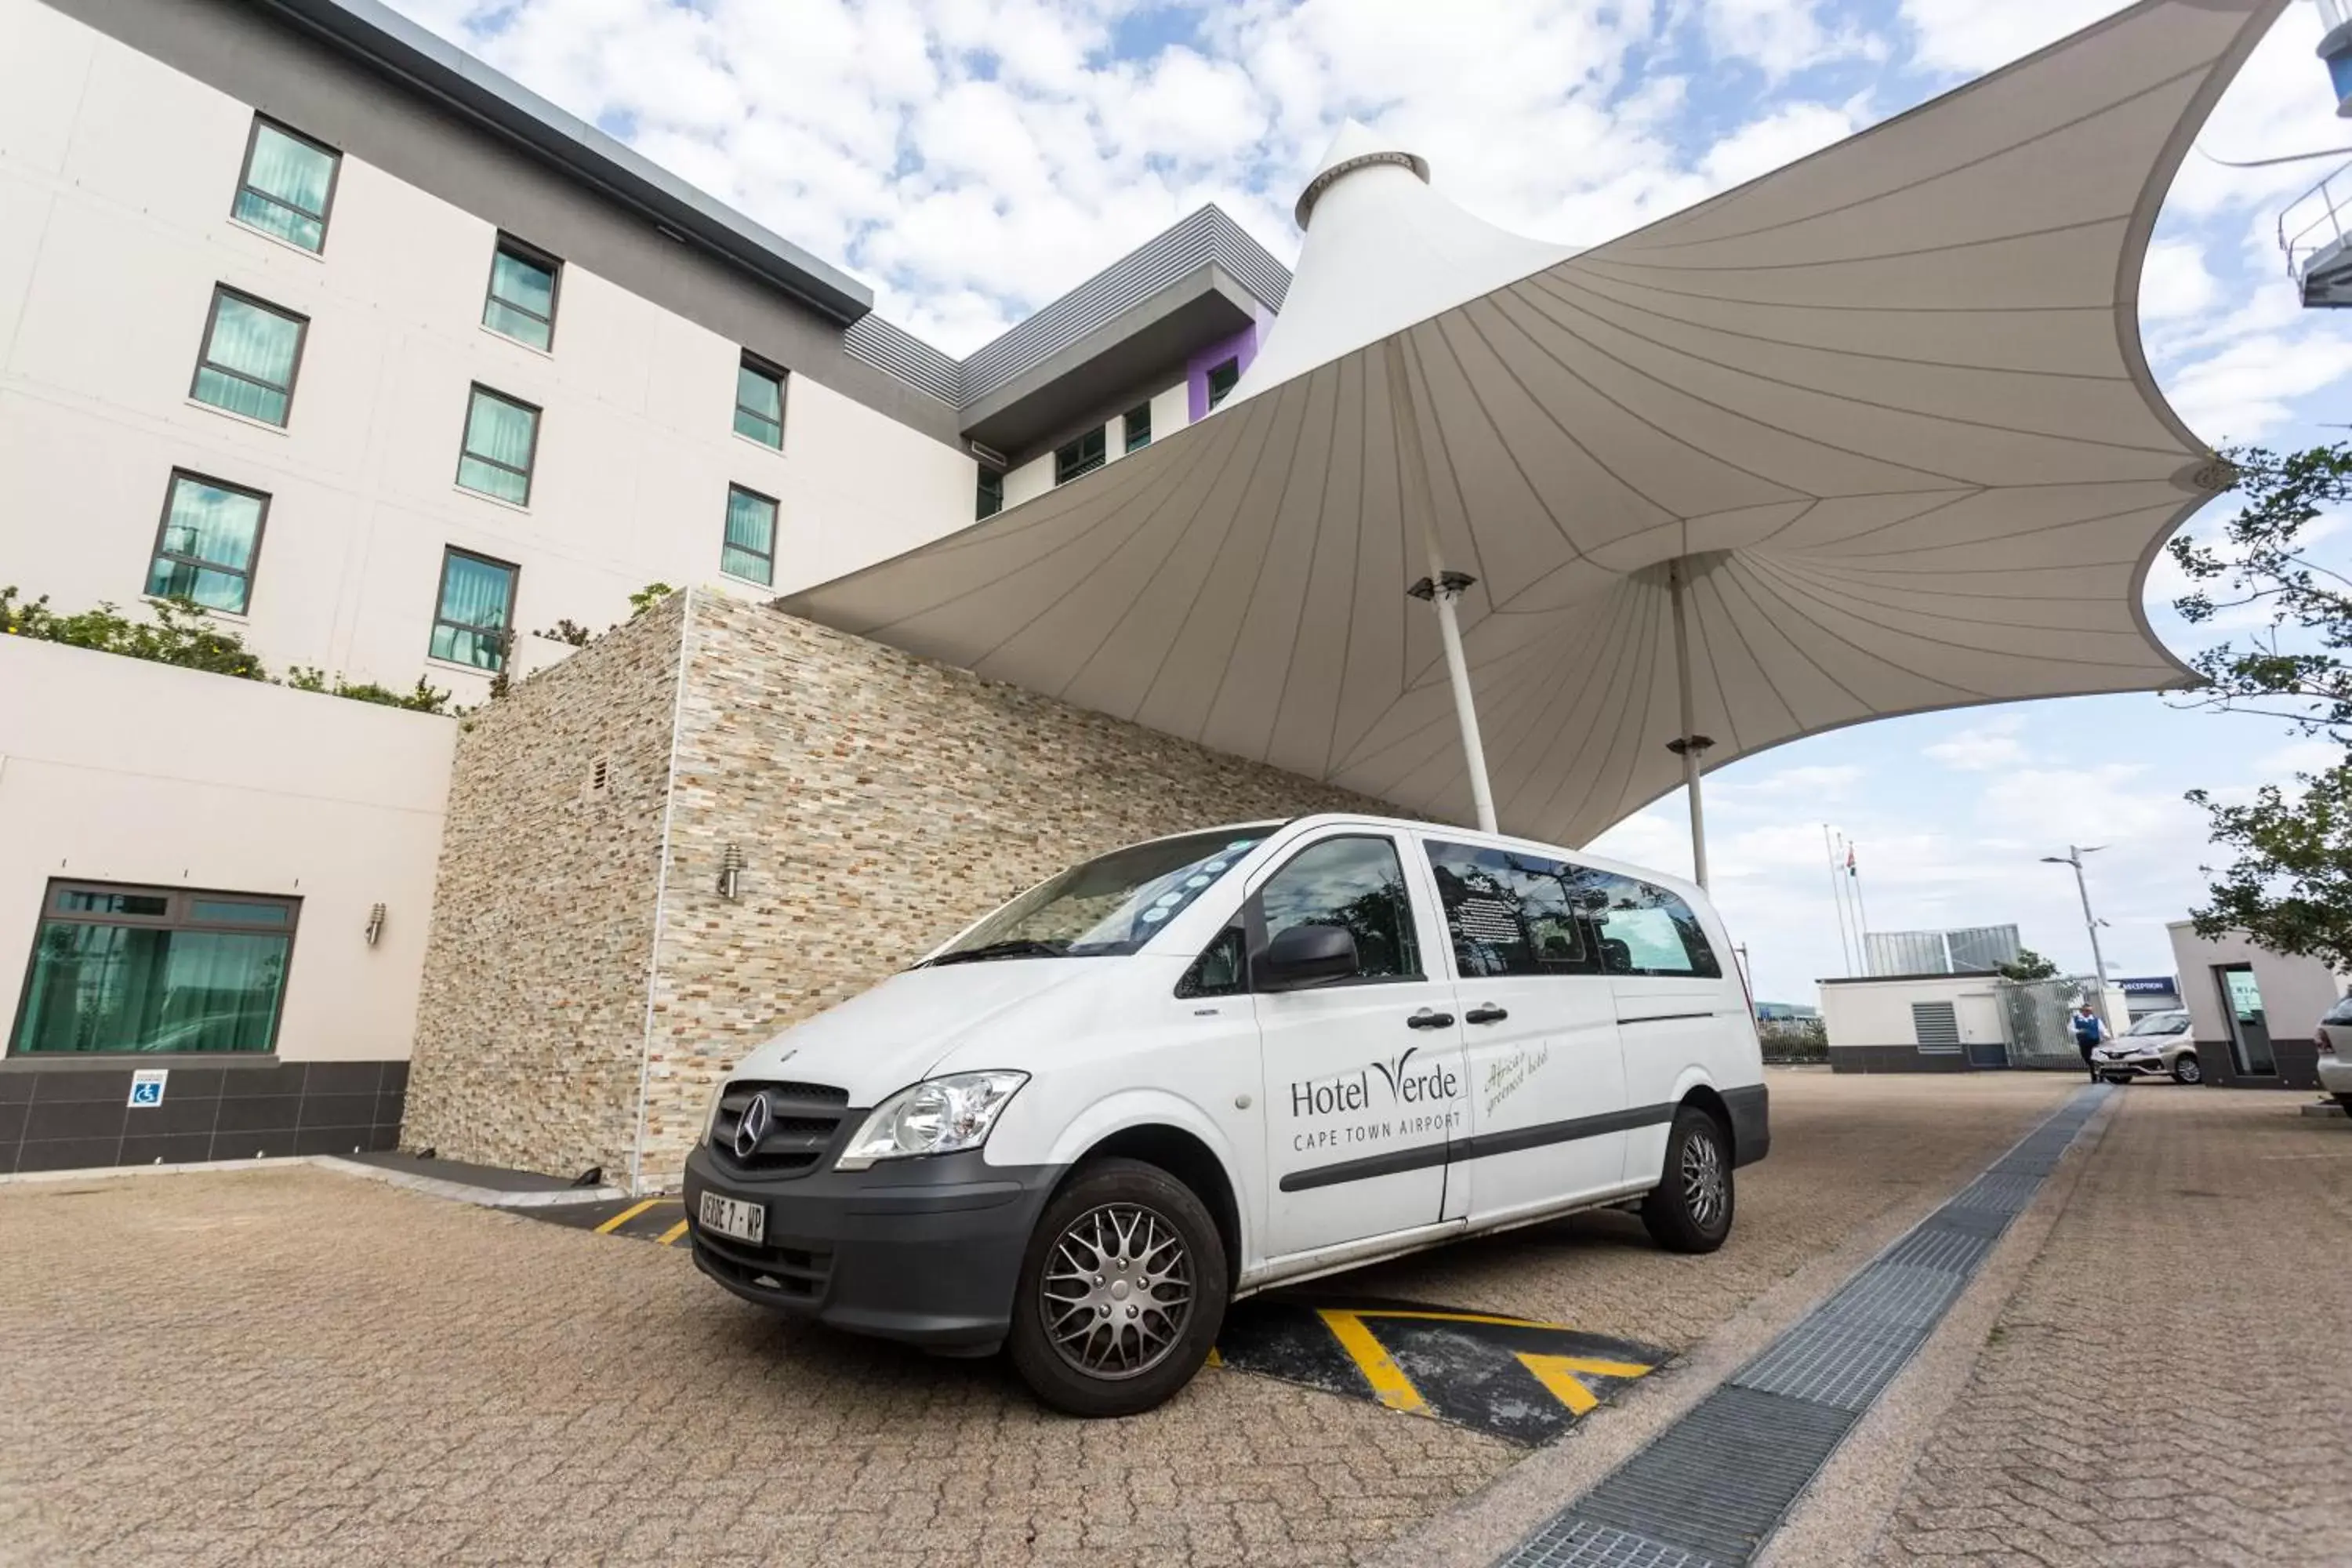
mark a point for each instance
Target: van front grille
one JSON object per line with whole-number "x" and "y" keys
{"x": 804, "y": 1120}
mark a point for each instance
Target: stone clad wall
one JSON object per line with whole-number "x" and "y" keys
{"x": 530, "y": 1028}
{"x": 881, "y": 803}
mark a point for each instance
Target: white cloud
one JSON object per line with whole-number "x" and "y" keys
{"x": 1781, "y": 137}
{"x": 1983, "y": 749}
{"x": 2175, "y": 283}
{"x": 1976, "y": 36}
{"x": 2249, "y": 388}
{"x": 1782, "y": 36}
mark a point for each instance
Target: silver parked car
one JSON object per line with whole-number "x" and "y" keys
{"x": 2335, "y": 1042}
{"x": 2159, "y": 1046}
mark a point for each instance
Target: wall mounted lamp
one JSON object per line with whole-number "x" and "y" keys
{"x": 375, "y": 923}
{"x": 730, "y": 872}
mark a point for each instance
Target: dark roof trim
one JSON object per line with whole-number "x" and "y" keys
{"x": 1897, "y": 979}
{"x": 397, "y": 48}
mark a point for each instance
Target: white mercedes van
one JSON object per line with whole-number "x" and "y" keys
{"x": 1193, "y": 1068}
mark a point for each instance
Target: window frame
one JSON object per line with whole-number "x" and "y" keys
{"x": 774, "y": 373}
{"x": 178, "y": 899}
{"x": 523, "y": 250}
{"x": 775, "y": 526}
{"x": 1127, "y": 443}
{"x": 506, "y": 631}
{"x": 1706, "y": 962}
{"x": 1209, "y": 379}
{"x": 164, "y": 523}
{"x": 205, "y": 362}
{"x": 324, "y": 219}
{"x": 1100, "y": 434}
{"x": 530, "y": 469}
{"x": 981, "y": 493}
{"x": 1253, "y": 917}
{"x": 1590, "y": 966}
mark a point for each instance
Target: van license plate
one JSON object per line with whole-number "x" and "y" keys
{"x": 734, "y": 1217}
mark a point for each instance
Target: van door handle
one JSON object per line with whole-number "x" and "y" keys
{"x": 1489, "y": 1014}
{"x": 1426, "y": 1019}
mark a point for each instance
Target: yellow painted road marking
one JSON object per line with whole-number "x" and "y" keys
{"x": 1557, "y": 1375}
{"x": 673, "y": 1233}
{"x": 1389, "y": 1384}
{"x": 1466, "y": 1318}
{"x": 625, "y": 1216}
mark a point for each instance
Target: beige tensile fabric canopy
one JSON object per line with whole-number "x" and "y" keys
{"x": 1884, "y": 412}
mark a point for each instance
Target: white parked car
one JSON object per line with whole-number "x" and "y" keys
{"x": 1195, "y": 1067}
{"x": 2160, "y": 1045}
{"x": 2333, "y": 1039}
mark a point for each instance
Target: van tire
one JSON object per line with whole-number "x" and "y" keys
{"x": 1690, "y": 1209}
{"x": 1129, "y": 1189}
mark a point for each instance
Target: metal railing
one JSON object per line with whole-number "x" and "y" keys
{"x": 2315, "y": 221}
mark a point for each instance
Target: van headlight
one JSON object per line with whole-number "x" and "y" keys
{"x": 939, "y": 1116}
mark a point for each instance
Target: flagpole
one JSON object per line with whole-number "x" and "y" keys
{"x": 1862, "y": 913}
{"x": 1837, "y": 899}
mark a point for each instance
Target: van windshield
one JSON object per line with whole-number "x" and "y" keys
{"x": 1112, "y": 904}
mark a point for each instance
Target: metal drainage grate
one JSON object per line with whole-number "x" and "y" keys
{"x": 1710, "y": 1490}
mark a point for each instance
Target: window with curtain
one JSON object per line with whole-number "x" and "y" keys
{"x": 760, "y": 403}
{"x": 501, "y": 439}
{"x": 1082, "y": 456}
{"x": 749, "y": 551}
{"x": 153, "y": 970}
{"x": 1139, "y": 426}
{"x": 205, "y": 549}
{"x": 251, "y": 352}
{"x": 475, "y": 611}
{"x": 992, "y": 492}
{"x": 521, "y": 303}
{"x": 289, "y": 184}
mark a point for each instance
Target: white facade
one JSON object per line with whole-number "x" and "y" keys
{"x": 1170, "y": 409}
{"x": 2279, "y": 1011}
{"x": 1879, "y": 1012}
{"x": 117, "y": 174}
{"x": 202, "y": 781}
{"x": 145, "y": 810}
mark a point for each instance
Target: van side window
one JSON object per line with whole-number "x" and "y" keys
{"x": 1219, "y": 971}
{"x": 1356, "y": 883}
{"x": 1513, "y": 913}
{"x": 1645, "y": 929}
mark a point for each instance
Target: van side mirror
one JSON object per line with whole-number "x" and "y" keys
{"x": 1305, "y": 955}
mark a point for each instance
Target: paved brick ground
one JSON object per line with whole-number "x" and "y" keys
{"x": 290, "y": 1367}
{"x": 2172, "y": 1381}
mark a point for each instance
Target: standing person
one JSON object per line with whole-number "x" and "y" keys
{"x": 2090, "y": 1030}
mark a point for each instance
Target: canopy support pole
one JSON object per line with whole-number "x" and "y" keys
{"x": 1689, "y": 744}
{"x": 1440, "y": 587}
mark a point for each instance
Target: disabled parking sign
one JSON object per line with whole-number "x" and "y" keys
{"x": 147, "y": 1086}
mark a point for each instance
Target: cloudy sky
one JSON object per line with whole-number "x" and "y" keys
{"x": 972, "y": 159}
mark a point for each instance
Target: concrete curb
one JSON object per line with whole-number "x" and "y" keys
{"x": 2327, "y": 1110}
{"x": 431, "y": 1186}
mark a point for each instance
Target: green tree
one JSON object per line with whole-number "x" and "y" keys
{"x": 2289, "y": 885}
{"x": 2028, "y": 965}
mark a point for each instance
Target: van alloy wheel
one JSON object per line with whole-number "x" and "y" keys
{"x": 1703, "y": 1182}
{"x": 1691, "y": 1207}
{"x": 1117, "y": 1289}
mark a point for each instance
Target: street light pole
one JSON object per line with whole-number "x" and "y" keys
{"x": 2073, "y": 856}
